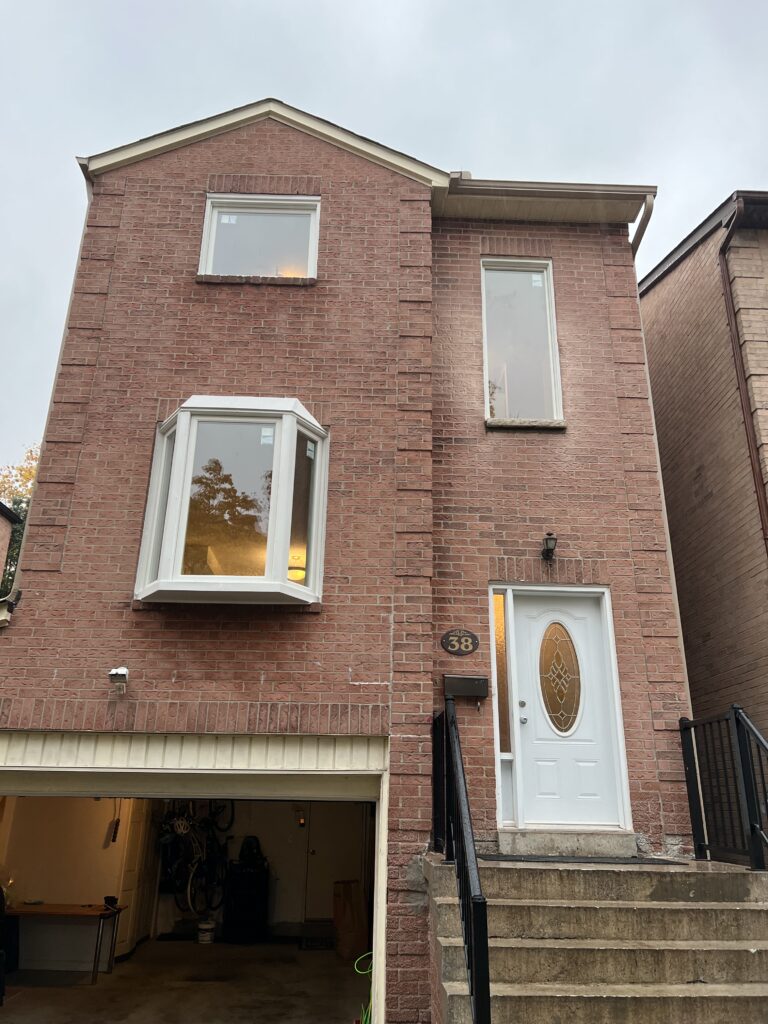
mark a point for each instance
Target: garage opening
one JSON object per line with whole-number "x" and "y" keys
{"x": 183, "y": 910}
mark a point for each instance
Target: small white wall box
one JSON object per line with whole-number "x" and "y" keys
{"x": 119, "y": 678}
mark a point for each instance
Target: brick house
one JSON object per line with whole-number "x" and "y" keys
{"x": 704, "y": 313}
{"x": 8, "y": 519}
{"x": 319, "y": 405}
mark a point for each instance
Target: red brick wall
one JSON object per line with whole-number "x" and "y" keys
{"x": 143, "y": 336}
{"x": 720, "y": 558}
{"x": 596, "y": 485}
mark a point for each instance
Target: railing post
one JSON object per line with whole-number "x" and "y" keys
{"x": 751, "y": 799}
{"x": 438, "y": 782}
{"x": 482, "y": 978}
{"x": 450, "y": 786}
{"x": 692, "y": 786}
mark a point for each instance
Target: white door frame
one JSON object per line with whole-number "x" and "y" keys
{"x": 238, "y": 767}
{"x": 604, "y": 595}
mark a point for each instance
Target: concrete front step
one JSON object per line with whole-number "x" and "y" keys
{"x": 564, "y": 843}
{"x": 687, "y": 882}
{"x": 603, "y": 962}
{"x": 614, "y": 1004}
{"x": 612, "y": 919}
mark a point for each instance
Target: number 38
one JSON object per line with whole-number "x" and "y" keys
{"x": 460, "y": 643}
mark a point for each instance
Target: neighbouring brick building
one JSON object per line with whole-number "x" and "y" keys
{"x": 705, "y": 314}
{"x": 371, "y": 388}
{"x": 8, "y": 519}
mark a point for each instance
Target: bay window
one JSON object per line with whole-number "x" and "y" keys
{"x": 236, "y": 504}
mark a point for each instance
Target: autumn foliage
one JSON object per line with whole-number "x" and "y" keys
{"x": 16, "y": 483}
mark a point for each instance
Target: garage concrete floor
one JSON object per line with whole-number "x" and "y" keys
{"x": 186, "y": 983}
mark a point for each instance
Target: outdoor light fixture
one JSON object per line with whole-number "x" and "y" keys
{"x": 119, "y": 679}
{"x": 548, "y": 546}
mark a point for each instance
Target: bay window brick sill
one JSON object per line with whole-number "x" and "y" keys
{"x": 515, "y": 424}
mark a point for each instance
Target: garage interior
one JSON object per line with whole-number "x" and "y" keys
{"x": 230, "y": 910}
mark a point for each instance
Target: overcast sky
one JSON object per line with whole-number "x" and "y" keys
{"x": 668, "y": 93}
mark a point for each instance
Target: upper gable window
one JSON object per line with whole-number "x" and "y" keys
{"x": 236, "y": 504}
{"x": 260, "y": 236}
{"x": 521, "y": 359}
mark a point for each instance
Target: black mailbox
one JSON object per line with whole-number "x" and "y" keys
{"x": 466, "y": 686}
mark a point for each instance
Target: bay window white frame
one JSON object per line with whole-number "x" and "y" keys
{"x": 167, "y": 509}
{"x": 533, "y": 266}
{"x": 228, "y": 202}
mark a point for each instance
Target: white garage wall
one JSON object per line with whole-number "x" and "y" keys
{"x": 60, "y": 850}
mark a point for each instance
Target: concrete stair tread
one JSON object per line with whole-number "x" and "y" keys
{"x": 627, "y": 904}
{"x": 692, "y": 868}
{"x": 697, "y": 990}
{"x": 609, "y": 943}
{"x": 503, "y": 901}
{"x": 681, "y": 882}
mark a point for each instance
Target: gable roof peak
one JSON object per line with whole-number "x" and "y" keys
{"x": 277, "y": 110}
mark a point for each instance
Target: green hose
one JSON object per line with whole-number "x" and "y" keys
{"x": 365, "y": 1011}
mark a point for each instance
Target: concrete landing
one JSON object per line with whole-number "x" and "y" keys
{"x": 551, "y": 843}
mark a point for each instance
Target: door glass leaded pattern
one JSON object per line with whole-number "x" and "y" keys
{"x": 559, "y": 677}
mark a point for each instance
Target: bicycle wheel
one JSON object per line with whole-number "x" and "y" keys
{"x": 222, "y": 814}
{"x": 214, "y": 890}
{"x": 196, "y": 890}
{"x": 179, "y": 879}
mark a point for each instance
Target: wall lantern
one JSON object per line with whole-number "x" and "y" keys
{"x": 548, "y": 546}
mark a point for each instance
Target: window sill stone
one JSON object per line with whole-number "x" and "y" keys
{"x": 290, "y": 282}
{"x": 525, "y": 424}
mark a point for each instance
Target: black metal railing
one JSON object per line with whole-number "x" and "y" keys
{"x": 452, "y": 835}
{"x": 726, "y": 772}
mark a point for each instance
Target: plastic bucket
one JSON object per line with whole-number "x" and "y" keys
{"x": 205, "y": 931}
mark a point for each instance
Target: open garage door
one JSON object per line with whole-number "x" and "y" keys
{"x": 259, "y": 930}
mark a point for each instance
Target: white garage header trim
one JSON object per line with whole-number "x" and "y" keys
{"x": 152, "y": 752}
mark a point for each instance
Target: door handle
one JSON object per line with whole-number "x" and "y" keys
{"x": 523, "y": 721}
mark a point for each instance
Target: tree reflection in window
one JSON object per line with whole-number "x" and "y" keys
{"x": 227, "y": 525}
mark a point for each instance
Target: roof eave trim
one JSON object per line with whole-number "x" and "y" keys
{"x": 719, "y": 218}
{"x": 548, "y": 190}
{"x": 278, "y": 111}
{"x": 7, "y": 513}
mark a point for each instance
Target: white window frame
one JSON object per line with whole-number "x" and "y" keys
{"x": 165, "y": 524}
{"x": 538, "y": 266}
{"x": 223, "y": 202}
{"x": 507, "y": 764}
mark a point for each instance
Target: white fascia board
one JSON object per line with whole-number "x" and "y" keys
{"x": 254, "y": 405}
{"x": 291, "y": 116}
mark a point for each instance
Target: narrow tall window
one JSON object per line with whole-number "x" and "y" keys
{"x": 522, "y": 367}
{"x": 502, "y": 683}
{"x": 298, "y": 551}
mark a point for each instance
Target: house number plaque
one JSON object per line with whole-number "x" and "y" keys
{"x": 459, "y": 642}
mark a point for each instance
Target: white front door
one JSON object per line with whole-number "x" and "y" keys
{"x": 569, "y": 751}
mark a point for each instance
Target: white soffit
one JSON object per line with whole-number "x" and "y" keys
{"x": 278, "y": 111}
